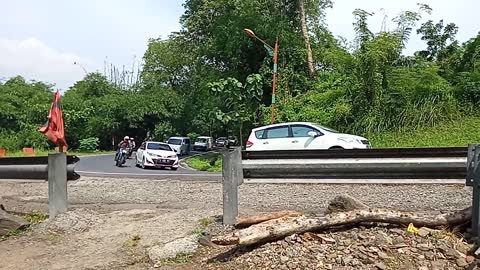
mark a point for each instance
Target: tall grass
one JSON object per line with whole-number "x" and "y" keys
{"x": 456, "y": 132}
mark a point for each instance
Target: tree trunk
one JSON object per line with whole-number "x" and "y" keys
{"x": 279, "y": 228}
{"x": 303, "y": 23}
{"x": 10, "y": 222}
{"x": 250, "y": 220}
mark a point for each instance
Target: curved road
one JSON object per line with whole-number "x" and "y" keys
{"x": 103, "y": 165}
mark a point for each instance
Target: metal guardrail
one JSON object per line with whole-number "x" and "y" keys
{"x": 448, "y": 152}
{"x": 33, "y": 168}
{"x": 393, "y": 163}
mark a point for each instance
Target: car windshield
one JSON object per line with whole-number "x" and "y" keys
{"x": 175, "y": 141}
{"x": 201, "y": 140}
{"x": 221, "y": 139}
{"x": 325, "y": 128}
{"x": 158, "y": 146}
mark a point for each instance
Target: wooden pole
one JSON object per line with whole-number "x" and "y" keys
{"x": 274, "y": 90}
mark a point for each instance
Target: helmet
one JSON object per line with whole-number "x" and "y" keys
{"x": 126, "y": 138}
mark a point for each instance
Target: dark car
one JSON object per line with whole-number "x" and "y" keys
{"x": 221, "y": 142}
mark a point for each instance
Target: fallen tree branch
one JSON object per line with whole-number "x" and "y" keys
{"x": 279, "y": 228}
{"x": 246, "y": 221}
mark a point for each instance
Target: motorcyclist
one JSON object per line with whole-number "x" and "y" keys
{"x": 125, "y": 143}
{"x": 122, "y": 145}
{"x": 132, "y": 143}
{"x": 131, "y": 147}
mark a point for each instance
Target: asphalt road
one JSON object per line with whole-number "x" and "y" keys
{"x": 103, "y": 165}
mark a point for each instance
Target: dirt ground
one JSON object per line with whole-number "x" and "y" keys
{"x": 112, "y": 222}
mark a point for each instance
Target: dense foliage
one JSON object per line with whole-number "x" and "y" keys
{"x": 210, "y": 78}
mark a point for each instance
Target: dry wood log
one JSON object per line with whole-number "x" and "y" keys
{"x": 10, "y": 222}
{"x": 279, "y": 228}
{"x": 246, "y": 221}
{"x": 344, "y": 203}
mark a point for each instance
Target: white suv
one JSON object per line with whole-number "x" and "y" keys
{"x": 301, "y": 136}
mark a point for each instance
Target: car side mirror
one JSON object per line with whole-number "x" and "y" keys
{"x": 312, "y": 134}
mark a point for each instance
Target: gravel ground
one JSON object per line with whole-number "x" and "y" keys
{"x": 376, "y": 247}
{"x": 109, "y": 193}
{"x": 108, "y": 212}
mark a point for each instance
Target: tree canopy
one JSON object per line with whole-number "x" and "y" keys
{"x": 211, "y": 78}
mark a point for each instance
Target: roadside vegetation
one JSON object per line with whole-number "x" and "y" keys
{"x": 460, "y": 132}
{"x": 211, "y": 78}
{"x": 42, "y": 152}
{"x": 210, "y": 162}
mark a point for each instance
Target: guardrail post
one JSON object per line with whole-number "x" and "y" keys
{"x": 232, "y": 177}
{"x": 473, "y": 164}
{"x": 57, "y": 184}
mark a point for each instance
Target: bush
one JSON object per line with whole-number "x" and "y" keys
{"x": 209, "y": 162}
{"x": 89, "y": 144}
{"x": 9, "y": 142}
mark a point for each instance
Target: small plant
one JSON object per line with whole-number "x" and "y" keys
{"x": 181, "y": 258}
{"x": 35, "y": 217}
{"x": 204, "y": 222}
{"x": 199, "y": 231}
{"x": 53, "y": 237}
{"x": 89, "y": 144}
{"x": 133, "y": 241}
{"x": 11, "y": 233}
{"x": 202, "y": 226}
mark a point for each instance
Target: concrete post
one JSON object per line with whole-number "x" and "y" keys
{"x": 231, "y": 173}
{"x": 476, "y": 191}
{"x": 57, "y": 184}
{"x": 238, "y": 169}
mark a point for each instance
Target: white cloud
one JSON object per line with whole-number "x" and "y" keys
{"x": 35, "y": 60}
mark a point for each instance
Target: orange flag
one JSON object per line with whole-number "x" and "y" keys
{"x": 54, "y": 129}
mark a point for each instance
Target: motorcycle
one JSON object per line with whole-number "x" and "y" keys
{"x": 129, "y": 152}
{"x": 121, "y": 157}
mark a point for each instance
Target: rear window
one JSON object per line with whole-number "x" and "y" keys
{"x": 158, "y": 146}
{"x": 175, "y": 141}
{"x": 259, "y": 133}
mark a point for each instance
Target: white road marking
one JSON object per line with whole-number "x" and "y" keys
{"x": 149, "y": 174}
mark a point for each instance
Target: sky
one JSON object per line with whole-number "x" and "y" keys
{"x": 41, "y": 40}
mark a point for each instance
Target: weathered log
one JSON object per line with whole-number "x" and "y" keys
{"x": 246, "y": 221}
{"x": 344, "y": 203}
{"x": 279, "y": 228}
{"x": 10, "y": 222}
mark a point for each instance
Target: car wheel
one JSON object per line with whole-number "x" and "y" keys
{"x": 335, "y": 148}
{"x": 143, "y": 163}
{"x": 173, "y": 169}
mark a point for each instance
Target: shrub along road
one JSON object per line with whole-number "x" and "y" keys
{"x": 103, "y": 165}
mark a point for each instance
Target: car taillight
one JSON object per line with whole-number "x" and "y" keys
{"x": 249, "y": 144}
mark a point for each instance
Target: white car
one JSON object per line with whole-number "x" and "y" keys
{"x": 203, "y": 143}
{"x": 156, "y": 155}
{"x": 181, "y": 145}
{"x": 302, "y": 136}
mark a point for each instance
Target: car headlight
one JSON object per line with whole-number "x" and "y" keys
{"x": 349, "y": 140}
{"x": 172, "y": 156}
{"x": 154, "y": 155}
